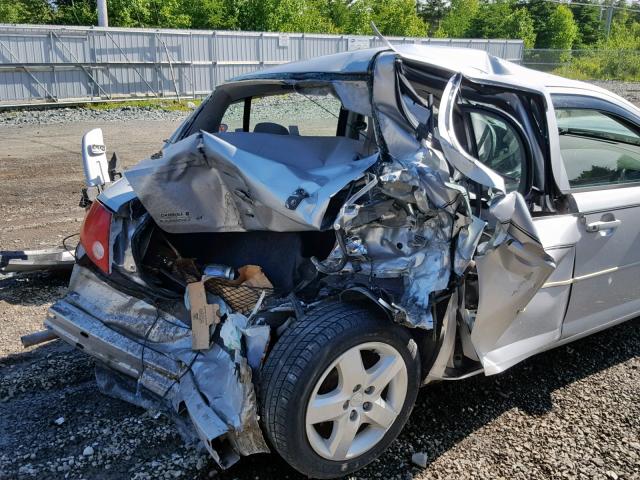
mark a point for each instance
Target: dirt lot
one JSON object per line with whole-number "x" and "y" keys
{"x": 41, "y": 175}
{"x": 573, "y": 412}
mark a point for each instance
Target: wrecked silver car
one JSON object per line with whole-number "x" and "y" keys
{"x": 280, "y": 287}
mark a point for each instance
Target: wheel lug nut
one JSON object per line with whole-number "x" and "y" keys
{"x": 345, "y": 405}
{"x": 354, "y": 415}
{"x": 366, "y": 406}
{"x": 357, "y": 387}
{"x": 369, "y": 390}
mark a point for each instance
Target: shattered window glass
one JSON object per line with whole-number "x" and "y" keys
{"x": 499, "y": 147}
{"x": 597, "y": 149}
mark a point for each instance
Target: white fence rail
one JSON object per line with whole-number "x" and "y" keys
{"x": 52, "y": 64}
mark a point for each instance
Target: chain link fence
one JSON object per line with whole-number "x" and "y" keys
{"x": 600, "y": 65}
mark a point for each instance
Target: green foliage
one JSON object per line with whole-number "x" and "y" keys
{"x": 539, "y": 23}
{"x": 77, "y": 13}
{"x": 590, "y": 27}
{"x": 206, "y": 14}
{"x": 488, "y": 19}
{"x": 540, "y": 12}
{"x": 297, "y": 16}
{"x": 562, "y": 28}
{"x": 393, "y": 17}
{"x": 459, "y": 18}
{"x": 26, "y": 11}
{"x": 519, "y": 24}
{"x": 398, "y": 17}
{"x": 10, "y": 12}
{"x": 432, "y": 13}
{"x": 554, "y": 24}
{"x": 502, "y": 19}
{"x": 355, "y": 18}
{"x": 617, "y": 57}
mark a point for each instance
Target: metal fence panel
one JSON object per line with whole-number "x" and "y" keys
{"x": 55, "y": 64}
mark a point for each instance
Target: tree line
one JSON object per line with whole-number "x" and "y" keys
{"x": 539, "y": 23}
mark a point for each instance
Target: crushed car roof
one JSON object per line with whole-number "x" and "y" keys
{"x": 470, "y": 62}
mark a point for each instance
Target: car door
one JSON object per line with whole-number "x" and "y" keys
{"x": 600, "y": 149}
{"x": 513, "y": 271}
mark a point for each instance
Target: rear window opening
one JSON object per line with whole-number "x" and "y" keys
{"x": 305, "y": 114}
{"x": 299, "y": 112}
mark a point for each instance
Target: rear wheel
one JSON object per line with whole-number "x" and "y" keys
{"x": 337, "y": 389}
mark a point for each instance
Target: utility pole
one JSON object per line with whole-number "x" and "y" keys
{"x": 103, "y": 19}
{"x": 609, "y": 19}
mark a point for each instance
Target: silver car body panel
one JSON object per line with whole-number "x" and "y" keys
{"x": 605, "y": 283}
{"x": 212, "y": 185}
{"x": 118, "y": 194}
{"x": 512, "y": 267}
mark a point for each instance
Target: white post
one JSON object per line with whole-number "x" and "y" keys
{"x": 103, "y": 19}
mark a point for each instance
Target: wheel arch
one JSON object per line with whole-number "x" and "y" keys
{"x": 428, "y": 341}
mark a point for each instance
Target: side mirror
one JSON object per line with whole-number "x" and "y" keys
{"x": 94, "y": 158}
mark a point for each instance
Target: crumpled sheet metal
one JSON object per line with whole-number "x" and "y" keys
{"x": 454, "y": 152}
{"x": 468, "y": 239}
{"x": 212, "y": 387}
{"x": 354, "y": 96}
{"x": 205, "y": 184}
{"x": 512, "y": 266}
{"x": 417, "y": 175}
{"x": 512, "y": 219}
{"x": 414, "y": 246}
{"x": 398, "y": 135}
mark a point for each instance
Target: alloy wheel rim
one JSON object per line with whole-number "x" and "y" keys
{"x": 356, "y": 401}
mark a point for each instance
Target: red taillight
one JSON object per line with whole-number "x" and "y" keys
{"x": 94, "y": 236}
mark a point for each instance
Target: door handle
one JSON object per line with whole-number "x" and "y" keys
{"x": 598, "y": 226}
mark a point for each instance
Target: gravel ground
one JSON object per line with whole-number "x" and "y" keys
{"x": 70, "y": 115}
{"x": 41, "y": 174}
{"x": 572, "y": 412}
{"x": 628, "y": 90}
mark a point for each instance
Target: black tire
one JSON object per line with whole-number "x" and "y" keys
{"x": 295, "y": 365}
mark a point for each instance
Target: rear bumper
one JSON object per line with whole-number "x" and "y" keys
{"x": 35, "y": 260}
{"x": 211, "y": 389}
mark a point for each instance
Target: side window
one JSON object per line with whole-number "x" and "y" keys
{"x": 499, "y": 147}
{"x": 597, "y": 148}
{"x": 289, "y": 114}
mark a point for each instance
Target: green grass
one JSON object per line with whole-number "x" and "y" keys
{"x": 603, "y": 65}
{"x": 159, "y": 104}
